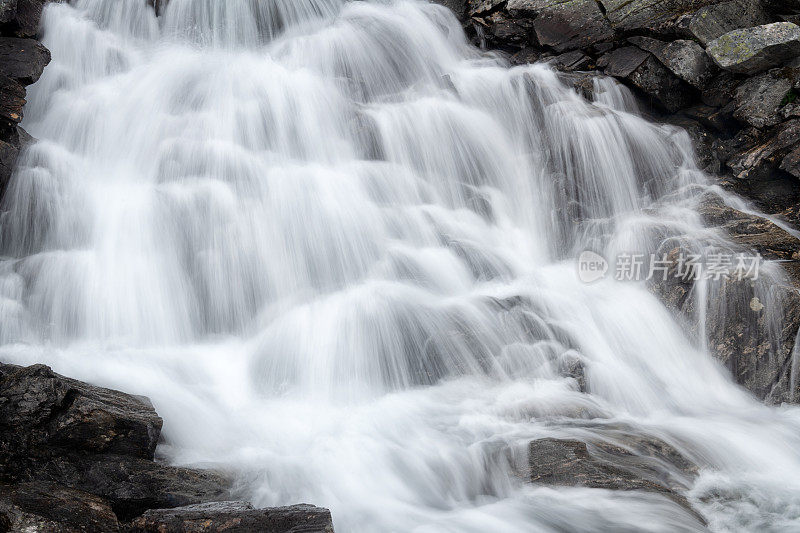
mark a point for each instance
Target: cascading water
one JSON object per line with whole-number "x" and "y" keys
{"x": 335, "y": 245}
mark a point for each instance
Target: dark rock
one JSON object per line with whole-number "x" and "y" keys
{"x": 12, "y": 99}
{"x": 51, "y": 508}
{"x": 720, "y": 89}
{"x": 565, "y": 24}
{"x": 22, "y": 59}
{"x": 758, "y": 100}
{"x": 758, "y": 161}
{"x": 575, "y": 60}
{"x": 649, "y": 16}
{"x": 753, "y": 50}
{"x": 41, "y": 408}
{"x": 686, "y": 59}
{"x": 791, "y": 163}
{"x": 644, "y": 72}
{"x": 132, "y": 484}
{"x": 607, "y": 466}
{"x": 8, "y": 160}
{"x": 235, "y": 517}
{"x": 714, "y": 21}
{"x": 21, "y": 18}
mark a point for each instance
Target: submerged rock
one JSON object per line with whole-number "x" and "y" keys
{"x": 753, "y": 50}
{"x": 607, "y": 466}
{"x": 235, "y": 517}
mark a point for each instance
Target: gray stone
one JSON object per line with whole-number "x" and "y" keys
{"x": 651, "y": 16}
{"x": 761, "y": 159}
{"x": 753, "y": 50}
{"x": 570, "y": 61}
{"x": 714, "y": 21}
{"x": 235, "y": 517}
{"x": 686, "y": 59}
{"x": 22, "y": 59}
{"x": 565, "y": 24}
{"x": 758, "y": 100}
{"x": 643, "y": 71}
{"x": 607, "y": 466}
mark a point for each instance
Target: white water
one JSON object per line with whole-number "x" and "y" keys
{"x": 334, "y": 244}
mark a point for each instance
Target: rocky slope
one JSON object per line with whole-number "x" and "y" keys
{"x": 74, "y": 457}
{"x": 728, "y": 72}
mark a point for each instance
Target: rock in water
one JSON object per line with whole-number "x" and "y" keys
{"x": 235, "y": 517}
{"x": 41, "y": 408}
{"x": 753, "y": 50}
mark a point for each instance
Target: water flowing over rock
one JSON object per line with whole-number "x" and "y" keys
{"x": 338, "y": 247}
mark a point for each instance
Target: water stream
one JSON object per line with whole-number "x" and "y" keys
{"x": 335, "y": 245}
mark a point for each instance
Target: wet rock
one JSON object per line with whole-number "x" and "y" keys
{"x": 686, "y": 59}
{"x": 761, "y": 159}
{"x": 644, "y": 72}
{"x": 753, "y": 50}
{"x": 758, "y": 100}
{"x": 22, "y": 59}
{"x": 52, "y": 508}
{"x": 41, "y": 408}
{"x": 565, "y": 24}
{"x": 607, "y": 466}
{"x": 570, "y": 61}
{"x": 458, "y": 7}
{"x": 234, "y": 517}
{"x": 12, "y": 99}
{"x": 131, "y": 484}
{"x": 714, "y": 21}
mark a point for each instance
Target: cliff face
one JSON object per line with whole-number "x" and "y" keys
{"x": 22, "y": 60}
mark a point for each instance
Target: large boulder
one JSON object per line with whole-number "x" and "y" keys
{"x": 565, "y": 24}
{"x": 39, "y": 408}
{"x": 21, "y": 17}
{"x": 714, "y": 21}
{"x": 643, "y": 71}
{"x": 758, "y": 99}
{"x": 234, "y": 517}
{"x": 660, "y": 17}
{"x": 754, "y": 50}
{"x": 686, "y": 59}
{"x": 22, "y": 59}
{"x": 12, "y": 99}
{"x": 131, "y": 484}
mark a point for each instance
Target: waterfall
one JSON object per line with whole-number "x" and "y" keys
{"x": 336, "y": 246}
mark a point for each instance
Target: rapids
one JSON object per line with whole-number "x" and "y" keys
{"x": 336, "y": 246}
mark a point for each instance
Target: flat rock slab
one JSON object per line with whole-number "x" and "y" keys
{"x": 754, "y": 50}
{"x": 235, "y": 517}
{"x": 565, "y": 24}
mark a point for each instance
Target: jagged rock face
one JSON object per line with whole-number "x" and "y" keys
{"x": 234, "y": 517}
{"x": 754, "y": 50}
{"x": 22, "y": 59}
